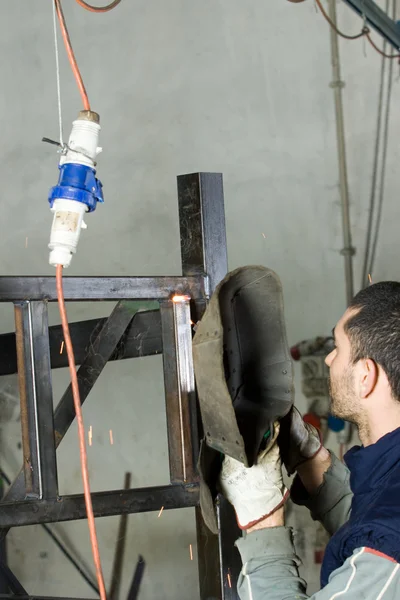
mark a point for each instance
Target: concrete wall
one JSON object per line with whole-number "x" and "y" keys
{"x": 233, "y": 86}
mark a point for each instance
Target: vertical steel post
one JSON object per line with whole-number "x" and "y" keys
{"x": 34, "y": 374}
{"x": 179, "y": 387}
{"x": 204, "y": 251}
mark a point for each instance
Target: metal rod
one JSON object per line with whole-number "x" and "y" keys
{"x": 116, "y": 573}
{"x": 33, "y": 352}
{"x": 133, "y": 593}
{"x": 142, "y": 338}
{"x": 105, "y": 504}
{"x": 179, "y": 387}
{"x": 204, "y": 250}
{"x": 102, "y": 288}
{"x": 348, "y": 251}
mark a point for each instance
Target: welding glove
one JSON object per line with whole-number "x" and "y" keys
{"x": 298, "y": 441}
{"x": 258, "y": 491}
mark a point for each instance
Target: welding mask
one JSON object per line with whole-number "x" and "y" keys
{"x": 243, "y": 371}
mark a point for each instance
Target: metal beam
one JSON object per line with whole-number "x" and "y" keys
{"x": 142, "y": 338}
{"x": 378, "y": 19}
{"x": 83, "y": 289}
{"x": 36, "y": 398}
{"x": 27, "y": 597}
{"x": 180, "y": 399}
{"x": 204, "y": 250}
{"x": 105, "y": 504}
{"x": 202, "y": 226}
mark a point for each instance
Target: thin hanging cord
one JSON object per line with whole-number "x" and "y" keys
{"x": 81, "y": 432}
{"x": 334, "y": 27}
{"x": 364, "y": 279}
{"x": 385, "y": 143}
{"x": 365, "y": 32}
{"x": 71, "y": 55}
{"x": 58, "y": 76}
{"x": 381, "y": 52}
{"x": 98, "y": 9}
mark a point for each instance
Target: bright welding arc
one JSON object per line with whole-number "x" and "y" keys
{"x": 71, "y": 55}
{"x": 81, "y": 433}
{"x": 98, "y": 9}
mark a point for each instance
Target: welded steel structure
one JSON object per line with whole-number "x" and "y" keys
{"x": 33, "y": 351}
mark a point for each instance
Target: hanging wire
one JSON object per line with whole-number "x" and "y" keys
{"x": 364, "y": 33}
{"x": 382, "y": 53}
{"x": 98, "y": 9}
{"x": 385, "y": 144}
{"x": 364, "y": 279}
{"x": 334, "y": 27}
{"x": 71, "y": 55}
{"x": 60, "y": 123}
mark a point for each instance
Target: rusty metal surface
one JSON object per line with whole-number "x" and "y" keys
{"x": 105, "y": 504}
{"x": 101, "y": 288}
{"x": 39, "y": 456}
{"x": 179, "y": 389}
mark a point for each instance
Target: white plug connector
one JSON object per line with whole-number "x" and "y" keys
{"x": 66, "y": 230}
{"x": 78, "y": 190}
{"x": 82, "y": 148}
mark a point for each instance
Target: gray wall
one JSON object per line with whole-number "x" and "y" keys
{"x": 236, "y": 86}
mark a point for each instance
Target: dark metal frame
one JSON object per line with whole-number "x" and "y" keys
{"x": 33, "y": 497}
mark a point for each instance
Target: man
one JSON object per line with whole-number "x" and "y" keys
{"x": 359, "y": 505}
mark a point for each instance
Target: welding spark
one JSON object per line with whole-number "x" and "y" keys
{"x": 62, "y": 347}
{"x": 229, "y": 580}
{"x": 369, "y": 278}
{"x": 191, "y": 551}
{"x": 178, "y": 298}
{"x": 111, "y": 437}
{"x": 90, "y": 435}
{"x": 160, "y": 513}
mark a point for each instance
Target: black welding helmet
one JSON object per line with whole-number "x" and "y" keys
{"x": 243, "y": 370}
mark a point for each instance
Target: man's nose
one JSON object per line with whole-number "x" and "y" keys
{"x": 329, "y": 358}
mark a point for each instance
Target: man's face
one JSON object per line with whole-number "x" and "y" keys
{"x": 344, "y": 400}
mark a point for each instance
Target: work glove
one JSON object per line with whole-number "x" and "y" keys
{"x": 258, "y": 491}
{"x": 298, "y": 441}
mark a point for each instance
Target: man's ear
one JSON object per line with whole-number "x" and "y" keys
{"x": 368, "y": 377}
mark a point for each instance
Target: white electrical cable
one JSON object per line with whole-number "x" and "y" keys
{"x": 58, "y": 75}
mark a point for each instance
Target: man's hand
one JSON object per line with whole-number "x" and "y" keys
{"x": 298, "y": 441}
{"x": 257, "y": 492}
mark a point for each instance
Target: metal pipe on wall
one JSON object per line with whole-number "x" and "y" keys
{"x": 337, "y": 85}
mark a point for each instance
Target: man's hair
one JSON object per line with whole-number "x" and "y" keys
{"x": 374, "y": 331}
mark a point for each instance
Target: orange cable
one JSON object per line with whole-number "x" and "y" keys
{"x": 379, "y": 50}
{"x": 364, "y": 32}
{"x": 332, "y": 24}
{"x": 71, "y": 55}
{"x": 81, "y": 433}
{"x": 98, "y": 9}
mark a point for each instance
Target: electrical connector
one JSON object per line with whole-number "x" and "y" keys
{"x": 78, "y": 190}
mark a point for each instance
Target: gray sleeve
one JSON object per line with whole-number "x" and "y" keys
{"x": 331, "y": 503}
{"x": 270, "y": 572}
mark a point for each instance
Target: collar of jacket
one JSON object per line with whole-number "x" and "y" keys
{"x": 368, "y": 466}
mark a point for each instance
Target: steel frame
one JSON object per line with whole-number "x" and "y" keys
{"x": 33, "y": 497}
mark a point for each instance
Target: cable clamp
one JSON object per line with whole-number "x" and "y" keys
{"x": 350, "y": 251}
